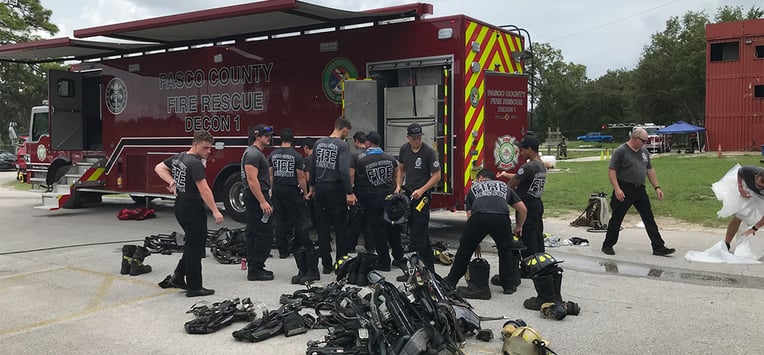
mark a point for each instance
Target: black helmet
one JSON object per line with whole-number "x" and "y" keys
{"x": 533, "y": 264}
{"x": 396, "y": 207}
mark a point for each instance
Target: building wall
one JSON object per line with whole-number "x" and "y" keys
{"x": 734, "y": 107}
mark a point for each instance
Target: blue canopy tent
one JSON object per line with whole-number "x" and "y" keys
{"x": 681, "y": 127}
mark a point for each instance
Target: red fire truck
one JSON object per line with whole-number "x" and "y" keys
{"x": 126, "y": 106}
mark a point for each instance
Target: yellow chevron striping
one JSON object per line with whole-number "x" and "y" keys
{"x": 96, "y": 174}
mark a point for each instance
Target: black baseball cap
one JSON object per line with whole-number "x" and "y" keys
{"x": 374, "y": 138}
{"x": 530, "y": 142}
{"x": 414, "y": 129}
{"x": 263, "y": 130}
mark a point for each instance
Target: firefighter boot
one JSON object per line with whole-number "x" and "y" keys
{"x": 544, "y": 285}
{"x": 310, "y": 272}
{"x": 299, "y": 260}
{"x": 136, "y": 264}
{"x": 127, "y": 256}
{"x": 477, "y": 283}
{"x": 352, "y": 276}
{"x": 368, "y": 264}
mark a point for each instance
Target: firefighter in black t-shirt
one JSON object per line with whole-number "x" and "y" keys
{"x": 184, "y": 174}
{"x": 333, "y": 192}
{"x": 256, "y": 179}
{"x": 289, "y": 189}
{"x": 375, "y": 173}
{"x": 420, "y": 169}
{"x": 488, "y": 213}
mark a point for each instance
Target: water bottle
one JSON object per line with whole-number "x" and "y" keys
{"x": 265, "y": 218}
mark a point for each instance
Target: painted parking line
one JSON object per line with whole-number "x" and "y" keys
{"x": 98, "y": 302}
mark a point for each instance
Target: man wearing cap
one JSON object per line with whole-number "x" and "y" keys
{"x": 257, "y": 183}
{"x": 529, "y": 184}
{"x": 419, "y": 168}
{"x": 375, "y": 173}
{"x": 333, "y": 190}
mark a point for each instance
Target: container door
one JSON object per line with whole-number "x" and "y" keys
{"x": 505, "y": 118}
{"x": 66, "y": 118}
{"x": 360, "y": 98}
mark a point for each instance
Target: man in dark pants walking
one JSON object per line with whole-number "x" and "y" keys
{"x": 185, "y": 177}
{"x": 358, "y": 211}
{"x": 289, "y": 190}
{"x": 628, "y": 167}
{"x": 488, "y": 213}
{"x": 420, "y": 169}
{"x": 375, "y": 173}
{"x": 257, "y": 184}
{"x": 330, "y": 184}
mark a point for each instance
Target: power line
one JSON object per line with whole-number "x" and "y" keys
{"x": 613, "y": 22}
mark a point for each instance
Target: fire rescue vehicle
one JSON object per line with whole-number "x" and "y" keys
{"x": 123, "y": 107}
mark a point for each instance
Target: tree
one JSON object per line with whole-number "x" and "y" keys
{"x": 557, "y": 90}
{"x": 22, "y": 85}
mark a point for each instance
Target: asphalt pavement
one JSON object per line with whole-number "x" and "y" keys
{"x": 61, "y": 291}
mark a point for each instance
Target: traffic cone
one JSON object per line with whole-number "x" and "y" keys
{"x": 719, "y": 151}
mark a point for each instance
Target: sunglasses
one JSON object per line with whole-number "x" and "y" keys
{"x": 645, "y": 141}
{"x": 266, "y": 130}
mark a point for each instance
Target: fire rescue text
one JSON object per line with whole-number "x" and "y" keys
{"x": 214, "y": 108}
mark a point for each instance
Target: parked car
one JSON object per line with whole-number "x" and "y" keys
{"x": 595, "y": 137}
{"x": 7, "y": 160}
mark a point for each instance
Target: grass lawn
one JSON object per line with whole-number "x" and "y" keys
{"x": 685, "y": 179}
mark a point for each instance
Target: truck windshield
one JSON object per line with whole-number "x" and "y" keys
{"x": 39, "y": 125}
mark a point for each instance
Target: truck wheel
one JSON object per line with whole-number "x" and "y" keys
{"x": 142, "y": 200}
{"x": 233, "y": 198}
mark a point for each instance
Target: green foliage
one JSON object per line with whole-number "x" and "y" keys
{"x": 667, "y": 85}
{"x": 685, "y": 179}
{"x": 22, "y": 85}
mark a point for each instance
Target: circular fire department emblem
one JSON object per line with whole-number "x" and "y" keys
{"x": 42, "y": 153}
{"x": 338, "y": 70}
{"x": 116, "y": 96}
{"x": 505, "y": 153}
{"x": 474, "y": 97}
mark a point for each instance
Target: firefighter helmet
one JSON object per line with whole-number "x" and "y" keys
{"x": 396, "y": 207}
{"x": 228, "y": 246}
{"x": 535, "y": 263}
{"x": 524, "y": 341}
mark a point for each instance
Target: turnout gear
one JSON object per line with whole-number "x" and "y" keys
{"x": 536, "y": 263}
{"x": 127, "y": 257}
{"x": 211, "y": 318}
{"x": 228, "y": 246}
{"x": 307, "y": 266}
{"x": 396, "y": 207}
{"x": 285, "y": 320}
{"x": 477, "y": 280}
{"x": 525, "y": 341}
{"x": 136, "y": 262}
{"x": 165, "y": 244}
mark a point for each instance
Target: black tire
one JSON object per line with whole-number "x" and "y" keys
{"x": 233, "y": 198}
{"x": 142, "y": 200}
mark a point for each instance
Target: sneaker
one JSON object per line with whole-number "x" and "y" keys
{"x": 200, "y": 292}
{"x": 508, "y": 290}
{"x": 663, "y": 251}
{"x": 259, "y": 275}
{"x": 610, "y": 251}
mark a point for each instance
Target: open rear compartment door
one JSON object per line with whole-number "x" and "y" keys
{"x": 66, "y": 113}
